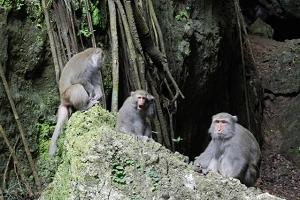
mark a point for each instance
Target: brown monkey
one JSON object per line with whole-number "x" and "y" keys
{"x": 132, "y": 116}
{"x": 232, "y": 152}
{"x": 79, "y": 87}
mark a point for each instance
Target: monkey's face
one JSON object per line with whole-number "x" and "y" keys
{"x": 221, "y": 128}
{"x": 141, "y": 102}
{"x": 98, "y": 57}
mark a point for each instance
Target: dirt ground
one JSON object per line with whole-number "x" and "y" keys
{"x": 278, "y": 176}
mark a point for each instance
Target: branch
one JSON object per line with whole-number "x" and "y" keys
{"x": 35, "y": 174}
{"x": 162, "y": 138}
{"x": 115, "y": 55}
{"x": 130, "y": 43}
{"x": 54, "y": 51}
{"x": 7, "y": 164}
{"x": 148, "y": 45}
{"x": 136, "y": 42}
{"x": 16, "y": 162}
{"x": 89, "y": 19}
{"x": 236, "y": 5}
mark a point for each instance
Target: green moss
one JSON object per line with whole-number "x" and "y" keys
{"x": 80, "y": 132}
{"x": 62, "y": 192}
{"x": 44, "y": 130}
{"x": 82, "y": 127}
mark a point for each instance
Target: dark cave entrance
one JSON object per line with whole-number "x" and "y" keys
{"x": 285, "y": 25}
{"x": 284, "y": 29}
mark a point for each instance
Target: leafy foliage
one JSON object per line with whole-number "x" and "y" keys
{"x": 118, "y": 171}
{"x": 178, "y": 139}
{"x": 154, "y": 178}
{"x": 95, "y": 12}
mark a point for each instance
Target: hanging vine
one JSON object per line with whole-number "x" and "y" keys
{"x": 146, "y": 56}
{"x": 143, "y": 60}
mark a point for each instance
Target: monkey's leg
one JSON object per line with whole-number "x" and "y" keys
{"x": 88, "y": 87}
{"x": 79, "y": 97}
{"x": 147, "y": 136}
{"x": 97, "y": 88}
{"x": 251, "y": 175}
{"x": 233, "y": 166}
{"x": 214, "y": 165}
{"x": 147, "y": 132}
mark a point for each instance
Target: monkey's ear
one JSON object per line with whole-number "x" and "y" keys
{"x": 132, "y": 93}
{"x": 150, "y": 97}
{"x": 235, "y": 119}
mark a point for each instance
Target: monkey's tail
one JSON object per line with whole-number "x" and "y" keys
{"x": 62, "y": 117}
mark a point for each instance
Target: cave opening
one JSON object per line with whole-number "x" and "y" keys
{"x": 284, "y": 29}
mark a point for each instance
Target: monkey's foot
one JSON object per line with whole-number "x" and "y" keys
{"x": 91, "y": 103}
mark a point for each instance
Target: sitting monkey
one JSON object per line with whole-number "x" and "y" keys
{"x": 132, "y": 115}
{"x": 232, "y": 152}
{"x": 79, "y": 87}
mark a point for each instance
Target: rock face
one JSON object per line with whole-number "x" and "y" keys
{"x": 99, "y": 163}
{"x": 279, "y": 70}
{"x": 259, "y": 27}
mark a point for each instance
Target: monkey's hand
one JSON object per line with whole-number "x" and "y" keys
{"x": 143, "y": 138}
{"x": 95, "y": 97}
{"x": 92, "y": 95}
{"x": 198, "y": 168}
{"x": 204, "y": 171}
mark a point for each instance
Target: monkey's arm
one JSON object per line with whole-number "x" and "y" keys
{"x": 87, "y": 85}
{"x": 202, "y": 163}
{"x": 133, "y": 127}
{"x": 96, "y": 84}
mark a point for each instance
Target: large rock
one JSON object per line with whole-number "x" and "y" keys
{"x": 279, "y": 72}
{"x": 99, "y": 163}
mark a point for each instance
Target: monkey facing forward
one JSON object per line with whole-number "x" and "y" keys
{"x": 132, "y": 116}
{"x": 79, "y": 87}
{"x": 232, "y": 152}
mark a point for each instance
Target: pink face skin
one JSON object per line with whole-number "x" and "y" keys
{"x": 141, "y": 100}
{"x": 220, "y": 126}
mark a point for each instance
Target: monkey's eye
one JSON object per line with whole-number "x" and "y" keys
{"x": 220, "y": 121}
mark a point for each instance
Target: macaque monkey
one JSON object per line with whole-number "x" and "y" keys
{"x": 132, "y": 116}
{"x": 232, "y": 152}
{"x": 79, "y": 87}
